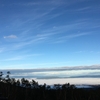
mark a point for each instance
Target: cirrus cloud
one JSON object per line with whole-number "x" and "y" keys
{"x": 10, "y": 37}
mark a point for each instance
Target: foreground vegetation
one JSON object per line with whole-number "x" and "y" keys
{"x": 23, "y": 89}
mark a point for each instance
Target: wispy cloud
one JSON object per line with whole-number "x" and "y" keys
{"x": 80, "y": 51}
{"x": 76, "y": 35}
{"x": 80, "y": 10}
{"x": 71, "y": 36}
{"x": 1, "y": 50}
{"x": 29, "y": 41}
{"x": 83, "y": 9}
{"x": 48, "y": 33}
{"x": 43, "y": 3}
{"x": 28, "y": 36}
{"x": 21, "y": 57}
{"x": 88, "y": 52}
{"x": 10, "y": 37}
{"x": 14, "y": 58}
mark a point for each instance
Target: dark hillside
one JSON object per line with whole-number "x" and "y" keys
{"x": 11, "y": 89}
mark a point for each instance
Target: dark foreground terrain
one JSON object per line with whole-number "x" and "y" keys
{"x": 11, "y": 89}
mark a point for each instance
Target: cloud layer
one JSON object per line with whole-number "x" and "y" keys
{"x": 57, "y": 73}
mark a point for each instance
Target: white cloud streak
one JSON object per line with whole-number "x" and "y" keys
{"x": 10, "y": 37}
{"x": 22, "y": 57}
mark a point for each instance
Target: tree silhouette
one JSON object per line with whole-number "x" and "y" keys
{"x": 34, "y": 84}
{"x": 1, "y": 74}
{"x": 8, "y": 80}
{"x": 31, "y": 90}
{"x": 13, "y": 81}
{"x": 18, "y": 82}
{"x": 8, "y": 73}
{"x": 23, "y": 82}
{"x": 66, "y": 86}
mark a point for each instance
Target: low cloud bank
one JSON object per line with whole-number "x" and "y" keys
{"x": 56, "y": 73}
{"x": 92, "y": 67}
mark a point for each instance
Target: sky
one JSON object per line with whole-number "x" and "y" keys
{"x": 49, "y": 34}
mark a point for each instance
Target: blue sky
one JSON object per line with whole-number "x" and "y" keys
{"x": 48, "y": 34}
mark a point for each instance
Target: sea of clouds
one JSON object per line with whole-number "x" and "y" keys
{"x": 75, "y": 75}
